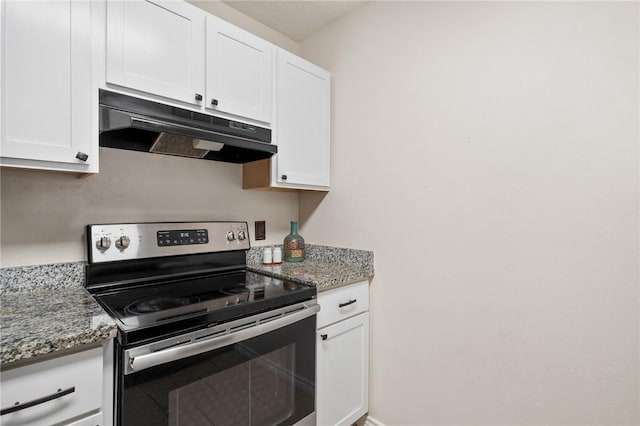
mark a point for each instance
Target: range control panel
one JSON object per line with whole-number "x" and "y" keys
{"x": 182, "y": 237}
{"x": 113, "y": 242}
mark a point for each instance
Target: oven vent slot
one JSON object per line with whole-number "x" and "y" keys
{"x": 293, "y": 311}
{"x": 243, "y": 326}
{"x": 188, "y": 314}
{"x": 207, "y": 336}
{"x": 162, "y": 348}
{"x": 271, "y": 318}
{"x": 229, "y": 330}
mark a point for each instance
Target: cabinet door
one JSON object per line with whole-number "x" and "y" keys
{"x": 48, "y": 105}
{"x": 343, "y": 371}
{"x": 156, "y": 47}
{"x": 239, "y": 72}
{"x": 303, "y": 123}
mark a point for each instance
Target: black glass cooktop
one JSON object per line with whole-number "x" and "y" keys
{"x": 175, "y": 306}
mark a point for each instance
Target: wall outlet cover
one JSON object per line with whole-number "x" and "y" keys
{"x": 261, "y": 230}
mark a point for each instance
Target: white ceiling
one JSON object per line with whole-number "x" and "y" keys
{"x": 296, "y": 19}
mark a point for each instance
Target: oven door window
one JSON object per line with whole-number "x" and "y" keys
{"x": 265, "y": 380}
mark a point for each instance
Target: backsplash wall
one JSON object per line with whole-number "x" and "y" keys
{"x": 43, "y": 214}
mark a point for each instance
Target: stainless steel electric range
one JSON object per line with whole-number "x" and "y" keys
{"x": 201, "y": 340}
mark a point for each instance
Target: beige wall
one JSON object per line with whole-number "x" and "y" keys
{"x": 488, "y": 153}
{"x": 43, "y": 214}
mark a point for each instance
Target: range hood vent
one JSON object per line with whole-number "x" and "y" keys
{"x": 140, "y": 125}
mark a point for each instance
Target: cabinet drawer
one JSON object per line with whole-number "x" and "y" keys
{"x": 343, "y": 302}
{"x": 74, "y": 383}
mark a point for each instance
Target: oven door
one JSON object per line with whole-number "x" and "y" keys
{"x": 258, "y": 370}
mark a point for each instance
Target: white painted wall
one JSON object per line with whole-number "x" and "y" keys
{"x": 43, "y": 214}
{"x": 488, "y": 153}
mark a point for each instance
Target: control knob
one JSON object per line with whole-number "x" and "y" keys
{"x": 231, "y": 236}
{"x": 242, "y": 235}
{"x": 103, "y": 243}
{"x": 123, "y": 242}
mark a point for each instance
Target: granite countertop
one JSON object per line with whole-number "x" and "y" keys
{"x": 324, "y": 267}
{"x": 322, "y": 275}
{"x": 45, "y": 309}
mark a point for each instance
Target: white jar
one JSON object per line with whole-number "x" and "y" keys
{"x": 267, "y": 256}
{"x": 277, "y": 255}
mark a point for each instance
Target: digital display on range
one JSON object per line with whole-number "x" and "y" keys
{"x": 182, "y": 237}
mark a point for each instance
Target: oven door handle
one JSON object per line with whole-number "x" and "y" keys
{"x": 141, "y": 362}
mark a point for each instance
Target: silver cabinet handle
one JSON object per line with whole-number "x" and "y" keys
{"x": 18, "y": 406}
{"x": 141, "y": 362}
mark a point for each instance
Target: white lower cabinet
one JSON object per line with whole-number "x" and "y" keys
{"x": 342, "y": 343}
{"x": 63, "y": 390}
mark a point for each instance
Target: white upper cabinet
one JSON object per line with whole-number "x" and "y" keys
{"x": 303, "y": 95}
{"x": 156, "y": 47}
{"x": 302, "y": 130}
{"x": 49, "y": 116}
{"x": 239, "y": 72}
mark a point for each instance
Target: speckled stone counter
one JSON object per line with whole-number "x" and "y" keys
{"x": 46, "y": 309}
{"x": 325, "y": 267}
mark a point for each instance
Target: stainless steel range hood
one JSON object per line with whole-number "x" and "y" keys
{"x": 140, "y": 125}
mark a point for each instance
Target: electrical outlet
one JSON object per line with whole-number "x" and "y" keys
{"x": 261, "y": 230}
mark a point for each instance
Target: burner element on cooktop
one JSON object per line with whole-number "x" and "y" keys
{"x": 236, "y": 289}
{"x": 290, "y": 286}
{"x": 158, "y": 304}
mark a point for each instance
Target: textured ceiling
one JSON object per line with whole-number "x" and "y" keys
{"x": 294, "y": 18}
